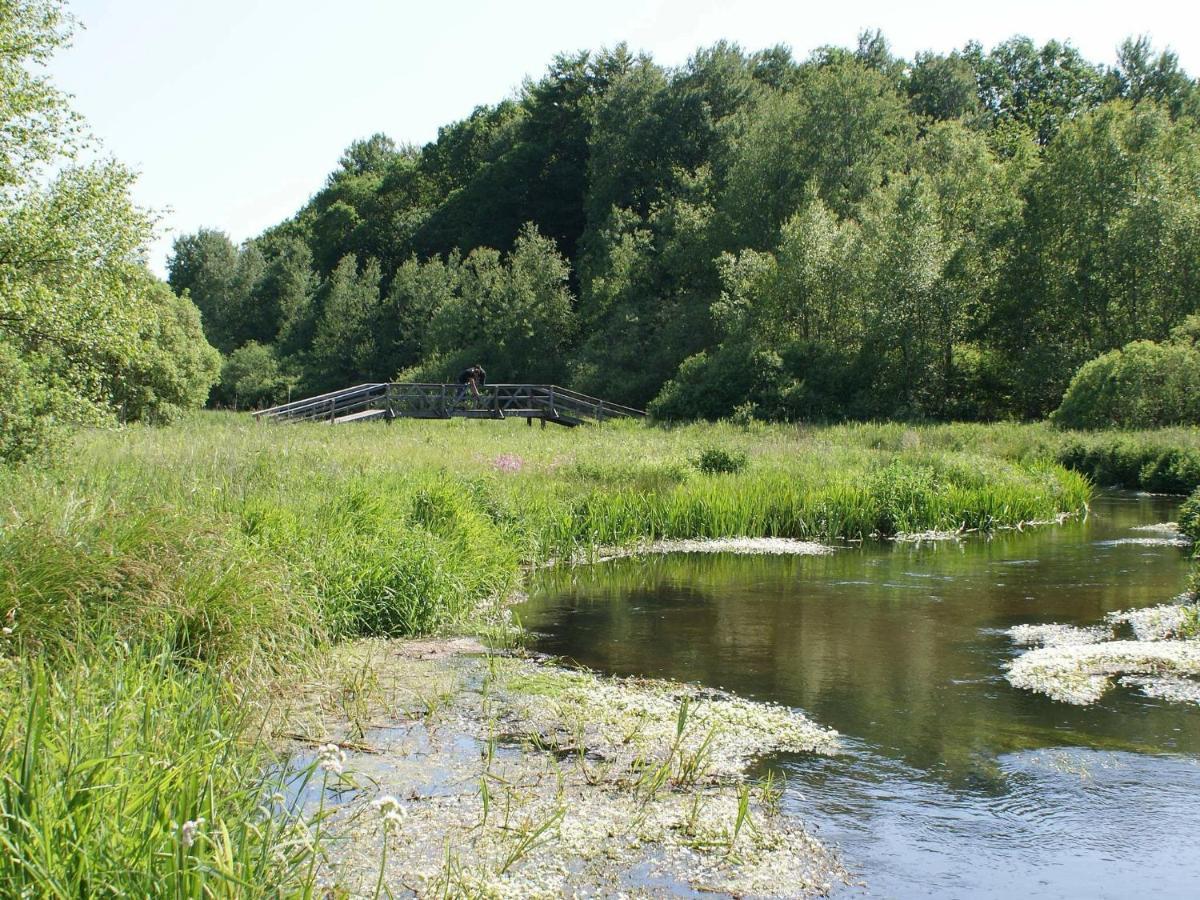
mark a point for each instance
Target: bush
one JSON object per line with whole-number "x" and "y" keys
{"x": 1135, "y": 461}
{"x": 713, "y": 386}
{"x": 1142, "y": 385}
{"x": 716, "y": 461}
{"x": 252, "y": 378}
{"x": 174, "y": 367}
{"x": 28, "y": 423}
{"x": 1189, "y": 516}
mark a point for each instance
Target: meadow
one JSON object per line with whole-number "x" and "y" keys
{"x": 166, "y": 591}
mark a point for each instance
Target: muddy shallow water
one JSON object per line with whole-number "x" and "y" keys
{"x": 954, "y": 783}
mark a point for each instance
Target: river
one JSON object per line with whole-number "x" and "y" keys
{"x": 952, "y": 783}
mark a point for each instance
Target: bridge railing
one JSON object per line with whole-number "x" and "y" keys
{"x": 326, "y": 405}
{"x": 448, "y": 400}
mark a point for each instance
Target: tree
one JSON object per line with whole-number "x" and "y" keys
{"x": 1039, "y": 87}
{"x": 205, "y": 266}
{"x": 173, "y": 368}
{"x": 84, "y": 329}
{"x": 513, "y": 314}
{"x": 252, "y": 377}
{"x": 373, "y": 155}
{"x": 1141, "y": 75}
{"x": 344, "y": 343}
{"x": 1142, "y": 385}
{"x": 942, "y": 87}
{"x": 1107, "y": 247}
{"x": 79, "y": 308}
{"x": 37, "y": 125}
{"x": 285, "y": 294}
{"x": 843, "y": 131}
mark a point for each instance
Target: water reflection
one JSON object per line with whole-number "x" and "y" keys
{"x": 953, "y": 779}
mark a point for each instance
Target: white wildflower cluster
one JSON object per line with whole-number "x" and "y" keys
{"x": 773, "y": 546}
{"x": 626, "y": 722}
{"x": 1055, "y": 635}
{"x": 391, "y": 811}
{"x": 331, "y": 758}
{"x": 1081, "y": 673}
{"x": 1078, "y": 665}
{"x": 494, "y": 820}
{"x": 1167, "y": 528}
{"x": 1164, "y": 541}
{"x": 189, "y": 830}
{"x": 1156, "y": 623}
{"x": 1166, "y": 687}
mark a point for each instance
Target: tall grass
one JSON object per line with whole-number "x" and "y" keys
{"x": 127, "y": 775}
{"x": 156, "y": 585}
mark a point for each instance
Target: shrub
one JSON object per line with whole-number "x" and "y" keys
{"x": 712, "y": 386}
{"x": 1136, "y": 461}
{"x": 252, "y": 378}
{"x": 716, "y": 461}
{"x": 29, "y": 423}
{"x": 173, "y": 368}
{"x": 1142, "y": 385}
{"x": 1189, "y": 516}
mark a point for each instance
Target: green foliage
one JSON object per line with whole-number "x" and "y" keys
{"x": 1142, "y": 385}
{"x": 1098, "y": 269}
{"x": 252, "y": 378}
{"x": 85, "y": 331}
{"x": 33, "y": 406}
{"x": 36, "y": 121}
{"x": 719, "y": 461}
{"x": 344, "y": 343}
{"x": 512, "y": 315}
{"x": 1166, "y": 464}
{"x": 127, "y": 779}
{"x": 1189, "y": 516}
{"x": 850, "y": 235}
{"x": 174, "y": 367}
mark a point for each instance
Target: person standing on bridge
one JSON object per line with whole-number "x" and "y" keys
{"x": 472, "y": 379}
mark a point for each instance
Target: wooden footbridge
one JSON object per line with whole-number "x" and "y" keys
{"x": 365, "y": 402}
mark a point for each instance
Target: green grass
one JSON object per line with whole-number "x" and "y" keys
{"x": 1164, "y": 461}
{"x": 131, "y": 776}
{"x": 163, "y": 585}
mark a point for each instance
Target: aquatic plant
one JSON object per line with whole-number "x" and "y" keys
{"x": 1078, "y": 665}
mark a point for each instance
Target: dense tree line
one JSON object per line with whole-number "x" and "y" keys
{"x": 87, "y": 333}
{"x": 848, "y": 235}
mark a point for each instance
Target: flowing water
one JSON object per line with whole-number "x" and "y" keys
{"x": 953, "y": 783}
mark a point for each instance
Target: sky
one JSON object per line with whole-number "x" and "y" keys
{"x": 234, "y": 111}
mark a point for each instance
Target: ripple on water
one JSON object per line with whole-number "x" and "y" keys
{"x": 1043, "y": 823}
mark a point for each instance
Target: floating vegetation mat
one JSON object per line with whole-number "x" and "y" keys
{"x": 1078, "y": 665}
{"x": 772, "y": 546}
{"x": 921, "y": 537}
{"x": 468, "y": 774}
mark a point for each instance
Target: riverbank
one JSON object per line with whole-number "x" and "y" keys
{"x": 187, "y": 579}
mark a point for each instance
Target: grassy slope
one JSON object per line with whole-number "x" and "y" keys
{"x": 160, "y": 580}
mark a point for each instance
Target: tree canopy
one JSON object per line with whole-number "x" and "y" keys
{"x": 87, "y": 334}
{"x": 850, "y": 234}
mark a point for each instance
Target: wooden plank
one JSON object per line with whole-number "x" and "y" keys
{"x": 363, "y": 415}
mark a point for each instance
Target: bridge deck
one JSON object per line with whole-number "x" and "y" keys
{"x": 364, "y": 402}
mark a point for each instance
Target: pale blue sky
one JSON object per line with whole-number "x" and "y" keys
{"x": 235, "y": 110}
